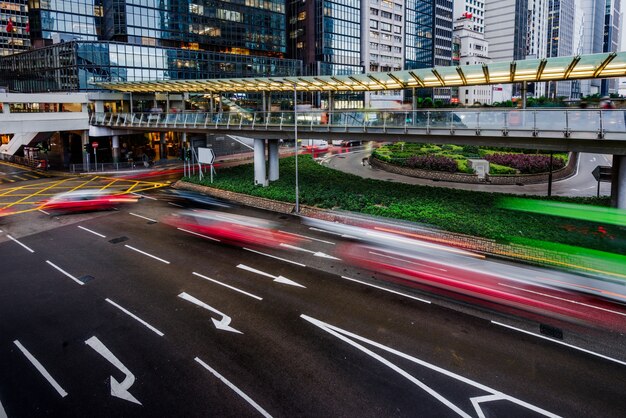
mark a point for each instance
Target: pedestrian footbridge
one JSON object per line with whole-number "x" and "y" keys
{"x": 584, "y": 130}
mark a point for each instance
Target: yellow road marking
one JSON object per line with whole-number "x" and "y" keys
{"x": 34, "y": 194}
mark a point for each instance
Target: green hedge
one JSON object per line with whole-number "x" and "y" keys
{"x": 468, "y": 212}
{"x": 500, "y": 169}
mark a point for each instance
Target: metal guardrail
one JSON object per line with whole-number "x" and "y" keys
{"x": 528, "y": 122}
{"x": 102, "y": 167}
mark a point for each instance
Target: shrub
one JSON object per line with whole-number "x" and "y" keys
{"x": 496, "y": 169}
{"x": 433, "y": 162}
{"x": 526, "y": 164}
{"x": 471, "y": 151}
{"x": 462, "y": 167}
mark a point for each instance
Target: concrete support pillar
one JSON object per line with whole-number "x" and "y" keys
{"x": 524, "y": 90}
{"x": 331, "y": 100}
{"x": 99, "y": 106}
{"x": 263, "y": 101}
{"x": 130, "y": 103}
{"x": 115, "y": 148}
{"x": 167, "y": 102}
{"x": 269, "y": 102}
{"x": 211, "y": 103}
{"x": 414, "y": 100}
{"x": 7, "y": 109}
{"x": 163, "y": 146}
{"x": 259, "y": 162}
{"x": 220, "y": 107}
{"x": 84, "y": 139}
{"x": 273, "y": 159}
{"x": 618, "y": 182}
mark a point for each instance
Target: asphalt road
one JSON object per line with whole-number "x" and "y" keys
{"x": 124, "y": 315}
{"x": 581, "y": 184}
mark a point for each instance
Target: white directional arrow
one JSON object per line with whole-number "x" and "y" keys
{"x": 119, "y": 390}
{"x": 315, "y": 253}
{"x": 223, "y": 324}
{"x": 278, "y": 279}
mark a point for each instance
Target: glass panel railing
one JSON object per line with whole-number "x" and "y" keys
{"x": 465, "y": 119}
{"x": 440, "y": 119}
{"x": 550, "y": 120}
{"x": 492, "y": 120}
{"x": 417, "y": 119}
{"x": 613, "y": 121}
{"x": 579, "y": 120}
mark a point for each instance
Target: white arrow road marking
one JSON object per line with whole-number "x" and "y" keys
{"x": 93, "y": 232}
{"x": 234, "y": 388}
{"x": 132, "y": 315}
{"x": 278, "y": 279}
{"x": 223, "y": 324}
{"x": 277, "y": 258}
{"x": 119, "y": 390}
{"x": 44, "y": 212}
{"x": 315, "y": 253}
{"x": 494, "y": 395}
{"x": 228, "y": 286}
{"x": 11, "y": 238}
{"x": 65, "y": 272}
{"x": 41, "y": 369}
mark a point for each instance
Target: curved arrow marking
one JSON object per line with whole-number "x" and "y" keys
{"x": 222, "y": 324}
{"x": 119, "y": 390}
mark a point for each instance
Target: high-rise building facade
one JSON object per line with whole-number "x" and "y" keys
{"x": 138, "y": 40}
{"x": 560, "y": 40}
{"x": 14, "y": 26}
{"x": 473, "y": 10}
{"x": 611, "y": 42}
{"x": 592, "y": 29}
{"x": 473, "y": 50}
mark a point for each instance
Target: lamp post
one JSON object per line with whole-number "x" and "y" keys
{"x": 295, "y": 135}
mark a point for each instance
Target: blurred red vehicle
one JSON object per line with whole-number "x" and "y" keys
{"x": 86, "y": 200}
{"x": 232, "y": 229}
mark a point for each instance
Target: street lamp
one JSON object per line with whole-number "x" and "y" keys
{"x": 295, "y": 135}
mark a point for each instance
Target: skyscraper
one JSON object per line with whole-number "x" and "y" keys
{"x": 612, "y": 21}
{"x": 560, "y": 40}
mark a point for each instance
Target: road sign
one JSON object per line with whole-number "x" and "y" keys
{"x": 94, "y": 144}
{"x": 602, "y": 173}
{"x": 206, "y": 155}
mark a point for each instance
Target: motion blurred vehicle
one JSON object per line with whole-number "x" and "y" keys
{"x": 188, "y": 198}
{"x": 86, "y": 200}
{"x": 452, "y": 272}
{"x": 237, "y": 230}
{"x": 351, "y": 143}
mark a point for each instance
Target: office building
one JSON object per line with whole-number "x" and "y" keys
{"x": 134, "y": 40}
{"x": 560, "y": 41}
{"x": 473, "y": 10}
{"x": 14, "y": 27}
{"x": 611, "y": 41}
{"x": 442, "y": 53}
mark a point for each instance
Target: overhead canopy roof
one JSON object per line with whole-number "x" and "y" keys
{"x": 603, "y": 65}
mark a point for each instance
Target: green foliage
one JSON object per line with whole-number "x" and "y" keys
{"x": 463, "y": 167}
{"x": 500, "y": 169}
{"x": 428, "y": 102}
{"x": 462, "y": 211}
{"x": 438, "y": 103}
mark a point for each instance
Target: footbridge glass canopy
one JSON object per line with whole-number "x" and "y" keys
{"x": 603, "y": 65}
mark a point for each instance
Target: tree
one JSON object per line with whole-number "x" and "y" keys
{"x": 428, "y": 102}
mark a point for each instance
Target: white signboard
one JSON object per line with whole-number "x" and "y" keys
{"x": 206, "y": 155}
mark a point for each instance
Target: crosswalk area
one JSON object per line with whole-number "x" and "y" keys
{"x": 27, "y": 196}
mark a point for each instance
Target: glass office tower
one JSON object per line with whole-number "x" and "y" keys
{"x": 135, "y": 40}
{"x": 419, "y": 38}
{"x": 13, "y": 37}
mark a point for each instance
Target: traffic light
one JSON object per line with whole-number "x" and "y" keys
{"x": 86, "y": 147}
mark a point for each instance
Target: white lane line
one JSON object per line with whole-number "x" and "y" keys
{"x": 41, "y": 369}
{"x": 277, "y": 258}
{"x": 143, "y": 217}
{"x": 563, "y": 299}
{"x": 145, "y": 253}
{"x": 65, "y": 272}
{"x": 44, "y": 212}
{"x": 307, "y": 237}
{"x": 150, "y": 327}
{"x": 175, "y": 204}
{"x": 560, "y": 342}
{"x": 10, "y": 237}
{"x": 143, "y": 195}
{"x": 386, "y": 290}
{"x": 3, "y": 413}
{"x": 234, "y": 388}
{"x": 228, "y": 286}
{"x": 200, "y": 235}
{"x": 93, "y": 232}
{"x": 315, "y": 253}
{"x": 312, "y": 228}
{"x": 406, "y": 261}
